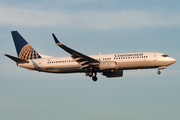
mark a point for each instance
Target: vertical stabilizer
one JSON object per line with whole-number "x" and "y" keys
{"x": 23, "y": 48}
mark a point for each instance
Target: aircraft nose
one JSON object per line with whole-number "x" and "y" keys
{"x": 173, "y": 60}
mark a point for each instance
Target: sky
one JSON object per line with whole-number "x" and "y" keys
{"x": 90, "y": 27}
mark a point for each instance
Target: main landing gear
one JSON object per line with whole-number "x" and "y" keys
{"x": 90, "y": 74}
{"x": 94, "y": 78}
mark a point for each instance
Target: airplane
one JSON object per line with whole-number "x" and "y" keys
{"x": 110, "y": 65}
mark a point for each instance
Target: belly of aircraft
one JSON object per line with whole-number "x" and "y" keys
{"x": 62, "y": 69}
{"x": 139, "y": 64}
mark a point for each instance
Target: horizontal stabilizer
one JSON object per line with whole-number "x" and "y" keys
{"x": 17, "y": 60}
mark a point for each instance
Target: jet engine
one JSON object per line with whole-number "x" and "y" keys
{"x": 108, "y": 65}
{"x": 118, "y": 73}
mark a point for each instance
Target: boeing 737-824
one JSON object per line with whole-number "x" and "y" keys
{"x": 110, "y": 65}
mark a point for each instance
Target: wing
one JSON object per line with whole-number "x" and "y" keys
{"x": 84, "y": 60}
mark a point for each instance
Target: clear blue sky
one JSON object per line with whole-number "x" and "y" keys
{"x": 90, "y": 27}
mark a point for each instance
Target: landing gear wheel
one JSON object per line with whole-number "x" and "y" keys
{"x": 90, "y": 74}
{"x": 94, "y": 78}
{"x": 159, "y": 72}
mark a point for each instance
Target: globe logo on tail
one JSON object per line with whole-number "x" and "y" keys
{"x": 27, "y": 53}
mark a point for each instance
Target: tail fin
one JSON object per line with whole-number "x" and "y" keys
{"x": 23, "y": 48}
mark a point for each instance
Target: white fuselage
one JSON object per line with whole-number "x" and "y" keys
{"x": 125, "y": 61}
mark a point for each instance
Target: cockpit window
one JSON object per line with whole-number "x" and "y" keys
{"x": 165, "y": 55}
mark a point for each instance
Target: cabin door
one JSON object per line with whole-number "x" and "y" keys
{"x": 155, "y": 57}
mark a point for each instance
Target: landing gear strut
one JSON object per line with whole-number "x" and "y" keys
{"x": 94, "y": 78}
{"x": 159, "y": 68}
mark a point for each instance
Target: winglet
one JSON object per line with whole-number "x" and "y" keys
{"x": 76, "y": 55}
{"x": 56, "y": 40}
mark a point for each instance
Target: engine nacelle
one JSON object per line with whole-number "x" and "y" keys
{"x": 118, "y": 73}
{"x": 108, "y": 65}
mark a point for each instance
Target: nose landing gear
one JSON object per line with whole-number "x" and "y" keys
{"x": 159, "y": 72}
{"x": 159, "y": 68}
